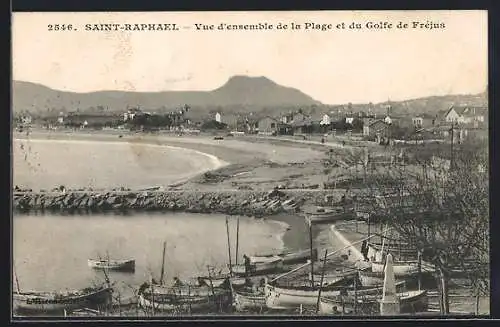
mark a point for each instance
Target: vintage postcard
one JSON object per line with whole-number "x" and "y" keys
{"x": 258, "y": 164}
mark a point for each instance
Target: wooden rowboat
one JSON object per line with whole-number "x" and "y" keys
{"x": 397, "y": 250}
{"x": 187, "y": 304}
{"x": 264, "y": 259}
{"x": 282, "y": 298}
{"x": 220, "y": 281}
{"x": 369, "y": 278}
{"x": 288, "y": 257}
{"x": 403, "y": 268}
{"x": 325, "y": 215}
{"x": 336, "y": 278}
{"x": 410, "y": 302}
{"x": 259, "y": 268}
{"x": 244, "y": 301}
{"x": 58, "y": 301}
{"x": 121, "y": 265}
{"x": 300, "y": 256}
{"x": 183, "y": 291}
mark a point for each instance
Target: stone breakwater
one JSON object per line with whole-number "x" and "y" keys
{"x": 233, "y": 202}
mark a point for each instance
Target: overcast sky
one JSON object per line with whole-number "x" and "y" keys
{"x": 335, "y": 66}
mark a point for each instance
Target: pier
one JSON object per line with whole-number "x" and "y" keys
{"x": 230, "y": 202}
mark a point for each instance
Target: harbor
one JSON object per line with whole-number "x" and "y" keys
{"x": 272, "y": 282}
{"x": 157, "y": 178}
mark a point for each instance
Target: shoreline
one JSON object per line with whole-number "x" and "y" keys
{"x": 232, "y": 153}
{"x": 215, "y": 162}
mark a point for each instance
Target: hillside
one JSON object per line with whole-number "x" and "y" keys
{"x": 238, "y": 94}
{"x": 241, "y": 91}
{"x": 437, "y": 104}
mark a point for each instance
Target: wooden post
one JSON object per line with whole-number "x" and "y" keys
{"x": 321, "y": 282}
{"x": 210, "y": 279}
{"x": 237, "y": 239}
{"x": 355, "y": 294}
{"x": 369, "y": 226}
{"x": 152, "y": 298}
{"x": 311, "y": 248}
{"x": 477, "y": 300}
{"x": 163, "y": 263}
{"x": 229, "y": 247}
{"x": 419, "y": 270}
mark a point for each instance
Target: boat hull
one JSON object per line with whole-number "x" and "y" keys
{"x": 288, "y": 258}
{"x": 40, "y": 302}
{"x": 190, "y": 304}
{"x": 279, "y": 298}
{"x": 369, "y": 278}
{"x": 119, "y": 265}
{"x": 221, "y": 281}
{"x": 328, "y": 217}
{"x": 176, "y": 292}
{"x": 336, "y": 279}
{"x": 403, "y": 268}
{"x": 301, "y": 256}
{"x": 258, "y": 268}
{"x": 410, "y": 302}
{"x": 249, "y": 301}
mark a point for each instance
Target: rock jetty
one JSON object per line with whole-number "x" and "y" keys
{"x": 233, "y": 202}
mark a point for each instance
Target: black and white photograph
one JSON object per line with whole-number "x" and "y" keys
{"x": 327, "y": 164}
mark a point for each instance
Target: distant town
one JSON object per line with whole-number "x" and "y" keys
{"x": 466, "y": 121}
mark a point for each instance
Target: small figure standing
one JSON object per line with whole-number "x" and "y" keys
{"x": 364, "y": 250}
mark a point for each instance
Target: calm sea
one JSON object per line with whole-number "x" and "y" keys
{"x": 45, "y": 164}
{"x": 51, "y": 251}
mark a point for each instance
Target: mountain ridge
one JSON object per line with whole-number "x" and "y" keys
{"x": 239, "y": 93}
{"x": 238, "y": 90}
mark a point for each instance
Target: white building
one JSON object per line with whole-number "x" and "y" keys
{"x": 218, "y": 117}
{"x": 325, "y": 120}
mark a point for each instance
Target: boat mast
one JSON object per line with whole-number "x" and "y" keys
{"x": 229, "y": 247}
{"x": 356, "y": 293}
{"x": 163, "y": 263}
{"x": 312, "y": 257}
{"x": 237, "y": 238}
{"x": 321, "y": 282}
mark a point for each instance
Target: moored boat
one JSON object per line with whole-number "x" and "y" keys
{"x": 325, "y": 215}
{"x": 258, "y": 268}
{"x": 288, "y": 257}
{"x": 336, "y": 278}
{"x": 264, "y": 259}
{"x": 178, "y": 291}
{"x": 121, "y": 265}
{"x": 410, "y": 302}
{"x": 402, "y": 250}
{"x": 243, "y": 301}
{"x": 60, "y": 301}
{"x": 159, "y": 302}
{"x": 403, "y": 268}
{"x": 300, "y": 256}
{"x": 369, "y": 278}
{"x": 280, "y": 297}
{"x": 221, "y": 281}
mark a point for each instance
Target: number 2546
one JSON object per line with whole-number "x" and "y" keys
{"x": 60, "y": 27}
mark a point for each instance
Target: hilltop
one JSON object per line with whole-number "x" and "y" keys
{"x": 240, "y": 91}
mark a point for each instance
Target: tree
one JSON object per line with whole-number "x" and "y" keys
{"x": 444, "y": 213}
